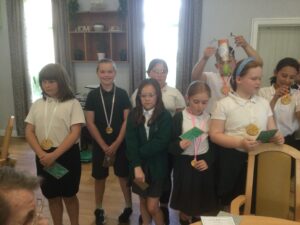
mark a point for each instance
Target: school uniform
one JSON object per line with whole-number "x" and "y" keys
{"x": 238, "y": 114}
{"x": 284, "y": 115}
{"x": 60, "y": 117}
{"x": 147, "y": 147}
{"x": 193, "y": 190}
{"x": 173, "y": 100}
{"x": 94, "y": 103}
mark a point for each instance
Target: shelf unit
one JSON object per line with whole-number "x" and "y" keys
{"x": 86, "y": 43}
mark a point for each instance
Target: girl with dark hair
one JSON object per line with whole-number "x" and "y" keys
{"x": 173, "y": 102}
{"x": 283, "y": 99}
{"x": 148, "y": 134}
{"x": 235, "y": 124}
{"x": 53, "y": 130}
{"x": 193, "y": 186}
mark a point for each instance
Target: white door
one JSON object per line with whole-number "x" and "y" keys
{"x": 274, "y": 42}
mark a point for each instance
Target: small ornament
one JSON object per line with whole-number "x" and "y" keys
{"x": 252, "y": 129}
{"x": 193, "y": 163}
{"x": 46, "y": 144}
{"x": 109, "y": 130}
{"x": 286, "y": 99}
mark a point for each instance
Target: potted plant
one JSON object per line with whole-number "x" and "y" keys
{"x": 73, "y": 6}
{"x": 122, "y": 8}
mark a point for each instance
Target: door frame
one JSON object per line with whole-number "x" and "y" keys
{"x": 260, "y": 22}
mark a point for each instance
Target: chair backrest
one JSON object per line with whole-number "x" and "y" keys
{"x": 6, "y": 139}
{"x": 273, "y": 181}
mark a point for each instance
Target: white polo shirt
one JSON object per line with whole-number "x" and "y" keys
{"x": 202, "y": 122}
{"x": 284, "y": 115}
{"x": 66, "y": 114}
{"x": 215, "y": 83}
{"x": 238, "y": 113}
{"x": 172, "y": 99}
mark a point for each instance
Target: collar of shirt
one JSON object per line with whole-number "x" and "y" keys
{"x": 242, "y": 101}
{"x": 50, "y": 99}
{"x": 111, "y": 91}
{"x": 164, "y": 89}
{"x": 148, "y": 113}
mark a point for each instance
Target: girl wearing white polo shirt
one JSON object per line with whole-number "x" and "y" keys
{"x": 284, "y": 100}
{"x": 53, "y": 130}
{"x": 235, "y": 124}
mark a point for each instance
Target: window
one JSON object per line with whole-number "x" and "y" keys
{"x": 161, "y": 33}
{"x": 39, "y": 40}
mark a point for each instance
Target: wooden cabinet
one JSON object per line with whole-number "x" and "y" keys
{"x": 86, "y": 42}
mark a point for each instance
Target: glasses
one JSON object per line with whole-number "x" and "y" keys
{"x": 159, "y": 72}
{"x": 147, "y": 95}
{"x": 39, "y": 210}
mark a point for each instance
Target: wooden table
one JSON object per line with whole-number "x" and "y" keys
{"x": 261, "y": 220}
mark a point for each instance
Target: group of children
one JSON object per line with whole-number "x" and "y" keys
{"x": 144, "y": 144}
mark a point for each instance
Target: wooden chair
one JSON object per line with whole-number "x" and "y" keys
{"x": 272, "y": 184}
{"x": 4, "y": 159}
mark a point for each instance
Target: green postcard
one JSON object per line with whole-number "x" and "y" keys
{"x": 265, "y": 135}
{"x": 56, "y": 170}
{"x": 191, "y": 134}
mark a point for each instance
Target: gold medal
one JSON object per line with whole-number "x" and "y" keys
{"x": 286, "y": 99}
{"x": 109, "y": 130}
{"x": 225, "y": 90}
{"x": 193, "y": 163}
{"x": 46, "y": 144}
{"x": 252, "y": 129}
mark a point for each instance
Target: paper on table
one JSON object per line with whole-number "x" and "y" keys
{"x": 236, "y": 218}
{"x": 220, "y": 220}
{"x": 191, "y": 134}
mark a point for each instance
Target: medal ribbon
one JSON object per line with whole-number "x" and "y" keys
{"x": 225, "y": 81}
{"x": 47, "y": 129}
{"x": 197, "y": 140}
{"x": 112, "y": 106}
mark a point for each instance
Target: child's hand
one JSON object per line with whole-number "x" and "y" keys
{"x": 104, "y": 147}
{"x": 139, "y": 174}
{"x": 277, "y": 139}
{"x": 208, "y": 52}
{"x": 112, "y": 149}
{"x": 47, "y": 159}
{"x": 283, "y": 90}
{"x": 184, "y": 144}
{"x": 201, "y": 165}
{"x": 249, "y": 144}
{"x": 240, "y": 41}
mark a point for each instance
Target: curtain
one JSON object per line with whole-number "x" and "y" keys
{"x": 189, "y": 32}
{"x": 18, "y": 58}
{"x": 61, "y": 39}
{"x": 136, "y": 48}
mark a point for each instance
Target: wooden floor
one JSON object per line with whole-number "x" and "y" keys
{"x": 113, "y": 200}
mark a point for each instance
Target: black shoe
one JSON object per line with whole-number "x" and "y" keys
{"x": 124, "y": 217}
{"x": 99, "y": 214}
{"x": 140, "y": 220}
{"x": 165, "y": 212}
